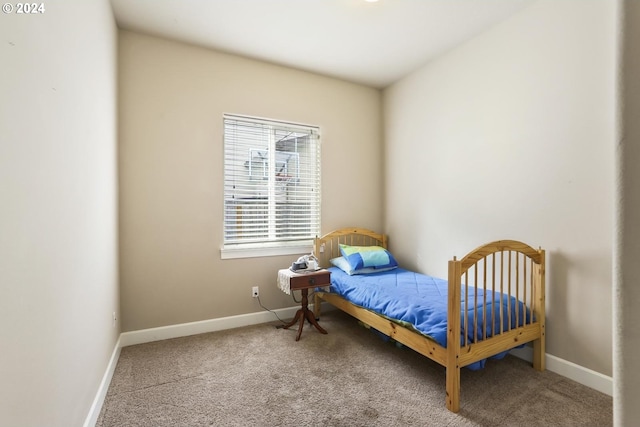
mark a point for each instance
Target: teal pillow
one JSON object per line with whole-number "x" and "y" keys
{"x": 360, "y": 257}
{"x": 343, "y": 264}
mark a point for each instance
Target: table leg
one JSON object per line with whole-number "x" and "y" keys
{"x": 312, "y": 319}
{"x": 298, "y": 315}
{"x": 302, "y": 314}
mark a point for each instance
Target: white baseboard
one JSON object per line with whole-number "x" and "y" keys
{"x": 204, "y": 326}
{"x": 96, "y": 406}
{"x": 577, "y": 373}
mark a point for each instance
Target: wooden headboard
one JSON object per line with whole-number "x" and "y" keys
{"x": 328, "y": 246}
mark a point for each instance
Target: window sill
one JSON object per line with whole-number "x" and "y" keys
{"x": 262, "y": 250}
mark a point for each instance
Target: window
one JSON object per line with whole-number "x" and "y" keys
{"x": 271, "y": 187}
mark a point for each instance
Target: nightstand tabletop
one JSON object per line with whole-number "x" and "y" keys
{"x": 288, "y": 280}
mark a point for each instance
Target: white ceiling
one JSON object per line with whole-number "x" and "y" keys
{"x": 369, "y": 43}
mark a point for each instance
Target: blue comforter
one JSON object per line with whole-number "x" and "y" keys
{"x": 421, "y": 302}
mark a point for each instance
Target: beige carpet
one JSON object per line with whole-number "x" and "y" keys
{"x": 259, "y": 376}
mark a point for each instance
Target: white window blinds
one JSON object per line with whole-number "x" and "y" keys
{"x": 271, "y": 182}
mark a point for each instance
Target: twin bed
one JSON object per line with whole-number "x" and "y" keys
{"x": 493, "y": 300}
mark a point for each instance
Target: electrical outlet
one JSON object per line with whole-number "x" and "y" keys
{"x": 255, "y": 292}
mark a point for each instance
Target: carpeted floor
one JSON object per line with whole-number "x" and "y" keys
{"x": 260, "y": 376}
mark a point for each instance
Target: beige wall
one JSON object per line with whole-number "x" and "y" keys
{"x": 626, "y": 268}
{"x": 172, "y": 98}
{"x": 511, "y": 135}
{"x": 58, "y": 214}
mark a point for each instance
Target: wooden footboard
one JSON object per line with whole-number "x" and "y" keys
{"x": 507, "y": 267}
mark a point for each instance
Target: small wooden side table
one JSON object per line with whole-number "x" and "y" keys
{"x": 303, "y": 281}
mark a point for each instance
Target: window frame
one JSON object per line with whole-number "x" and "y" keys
{"x": 273, "y": 247}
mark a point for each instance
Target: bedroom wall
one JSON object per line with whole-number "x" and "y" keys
{"x": 172, "y": 98}
{"x": 58, "y": 220}
{"x": 511, "y": 136}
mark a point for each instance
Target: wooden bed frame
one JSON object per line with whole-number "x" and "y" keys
{"x": 506, "y": 266}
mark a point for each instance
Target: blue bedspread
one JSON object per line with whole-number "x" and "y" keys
{"x": 421, "y": 301}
